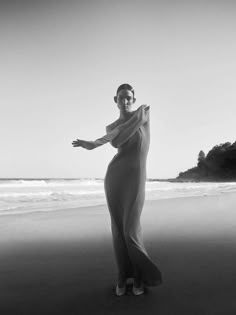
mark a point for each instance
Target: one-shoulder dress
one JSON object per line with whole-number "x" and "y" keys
{"x": 124, "y": 185}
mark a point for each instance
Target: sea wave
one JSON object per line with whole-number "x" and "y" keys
{"x": 48, "y": 182}
{"x": 29, "y": 195}
{"x": 49, "y": 193}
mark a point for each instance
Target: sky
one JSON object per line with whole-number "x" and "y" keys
{"x": 62, "y": 61}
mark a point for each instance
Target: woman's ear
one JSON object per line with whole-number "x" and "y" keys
{"x": 115, "y": 99}
{"x": 134, "y": 100}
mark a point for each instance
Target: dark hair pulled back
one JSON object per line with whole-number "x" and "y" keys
{"x": 125, "y": 86}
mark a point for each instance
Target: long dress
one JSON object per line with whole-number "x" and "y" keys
{"x": 125, "y": 193}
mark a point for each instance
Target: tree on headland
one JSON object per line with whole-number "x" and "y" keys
{"x": 201, "y": 162}
{"x": 201, "y": 156}
{"x": 218, "y": 164}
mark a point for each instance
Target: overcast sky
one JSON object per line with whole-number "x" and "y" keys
{"x": 62, "y": 61}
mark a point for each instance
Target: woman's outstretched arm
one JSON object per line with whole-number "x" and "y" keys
{"x": 90, "y": 145}
{"x": 120, "y": 134}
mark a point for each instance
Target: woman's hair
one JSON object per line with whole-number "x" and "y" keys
{"x": 125, "y": 86}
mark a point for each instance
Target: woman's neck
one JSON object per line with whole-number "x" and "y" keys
{"x": 125, "y": 115}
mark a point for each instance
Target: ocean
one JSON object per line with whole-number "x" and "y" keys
{"x": 30, "y": 195}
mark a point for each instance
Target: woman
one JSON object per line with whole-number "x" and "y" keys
{"x": 125, "y": 191}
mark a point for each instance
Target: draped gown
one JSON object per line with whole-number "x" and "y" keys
{"x": 125, "y": 193}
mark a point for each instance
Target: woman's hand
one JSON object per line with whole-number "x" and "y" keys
{"x": 89, "y": 145}
{"x": 143, "y": 112}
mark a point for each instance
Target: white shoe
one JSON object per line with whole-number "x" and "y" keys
{"x": 120, "y": 291}
{"x": 138, "y": 291}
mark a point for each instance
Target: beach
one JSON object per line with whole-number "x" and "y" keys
{"x": 62, "y": 262}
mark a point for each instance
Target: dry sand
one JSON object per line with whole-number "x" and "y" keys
{"x": 62, "y": 262}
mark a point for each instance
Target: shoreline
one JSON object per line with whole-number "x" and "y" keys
{"x": 147, "y": 201}
{"x": 178, "y": 180}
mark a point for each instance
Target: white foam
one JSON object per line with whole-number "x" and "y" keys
{"x": 31, "y": 195}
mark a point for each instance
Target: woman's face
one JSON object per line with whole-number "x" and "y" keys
{"x": 125, "y": 99}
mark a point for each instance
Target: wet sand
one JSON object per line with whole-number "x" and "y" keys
{"x": 62, "y": 262}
